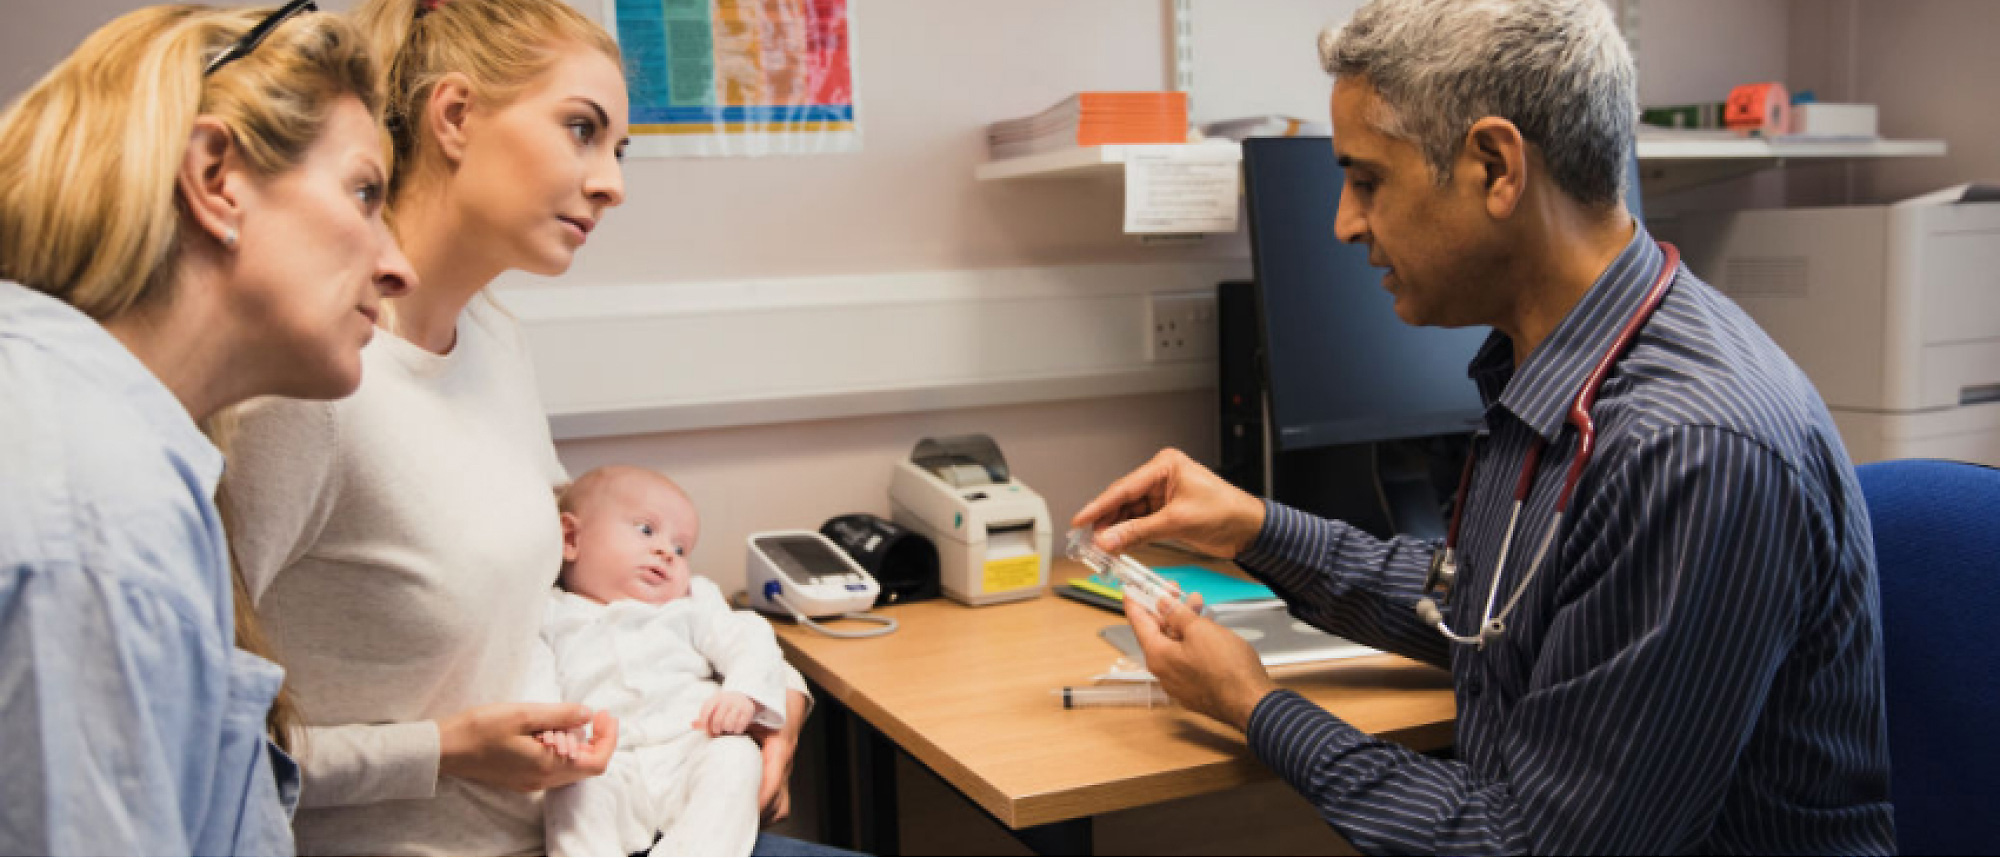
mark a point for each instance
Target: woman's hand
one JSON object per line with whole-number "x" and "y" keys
{"x": 499, "y": 745}
{"x": 774, "y": 795}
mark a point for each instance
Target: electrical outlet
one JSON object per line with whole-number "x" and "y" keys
{"x": 1181, "y": 326}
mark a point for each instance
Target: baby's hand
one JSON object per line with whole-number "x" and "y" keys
{"x": 566, "y": 743}
{"x": 727, "y": 713}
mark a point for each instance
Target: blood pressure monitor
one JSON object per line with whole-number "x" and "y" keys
{"x": 803, "y": 574}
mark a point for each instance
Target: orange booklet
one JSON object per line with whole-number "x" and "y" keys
{"x": 1094, "y": 119}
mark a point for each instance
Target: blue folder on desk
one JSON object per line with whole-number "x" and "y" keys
{"x": 1219, "y": 591}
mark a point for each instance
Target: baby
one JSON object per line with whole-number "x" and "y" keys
{"x": 634, "y": 633}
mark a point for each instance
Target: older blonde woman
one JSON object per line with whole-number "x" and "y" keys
{"x": 191, "y": 215}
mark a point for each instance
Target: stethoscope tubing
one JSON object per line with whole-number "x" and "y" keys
{"x": 1491, "y": 627}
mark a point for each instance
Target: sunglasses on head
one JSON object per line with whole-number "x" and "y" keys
{"x": 242, "y": 47}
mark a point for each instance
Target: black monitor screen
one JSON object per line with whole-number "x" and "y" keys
{"x": 1342, "y": 368}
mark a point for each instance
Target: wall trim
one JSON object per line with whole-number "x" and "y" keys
{"x": 640, "y": 358}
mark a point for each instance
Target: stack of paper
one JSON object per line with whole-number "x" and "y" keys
{"x": 1271, "y": 125}
{"x": 1094, "y": 119}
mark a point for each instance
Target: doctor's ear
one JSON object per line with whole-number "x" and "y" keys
{"x": 1499, "y": 155}
{"x": 209, "y": 180}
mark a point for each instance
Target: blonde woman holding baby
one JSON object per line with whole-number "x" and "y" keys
{"x": 400, "y": 546}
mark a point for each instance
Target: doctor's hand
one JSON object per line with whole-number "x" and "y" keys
{"x": 500, "y": 745}
{"x": 1174, "y": 497}
{"x": 1201, "y": 665}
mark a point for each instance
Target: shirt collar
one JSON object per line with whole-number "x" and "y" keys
{"x": 94, "y": 354}
{"x": 1540, "y": 391}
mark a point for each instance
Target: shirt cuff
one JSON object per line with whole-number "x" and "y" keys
{"x": 1291, "y": 735}
{"x": 795, "y": 682}
{"x": 767, "y": 691}
{"x": 413, "y": 759}
{"x": 366, "y": 763}
{"x": 1292, "y": 548}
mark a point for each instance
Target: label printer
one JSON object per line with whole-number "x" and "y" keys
{"x": 992, "y": 533}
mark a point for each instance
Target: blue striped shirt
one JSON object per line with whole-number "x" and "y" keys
{"x": 1697, "y": 668}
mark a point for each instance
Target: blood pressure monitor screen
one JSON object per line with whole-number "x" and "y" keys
{"x": 803, "y": 558}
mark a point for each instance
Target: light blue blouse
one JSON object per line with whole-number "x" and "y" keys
{"x": 129, "y": 721}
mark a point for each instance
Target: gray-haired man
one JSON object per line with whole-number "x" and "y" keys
{"x": 1674, "y": 649}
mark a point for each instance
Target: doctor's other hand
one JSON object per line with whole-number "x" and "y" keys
{"x": 1174, "y": 497}
{"x": 500, "y": 745}
{"x": 1200, "y": 664}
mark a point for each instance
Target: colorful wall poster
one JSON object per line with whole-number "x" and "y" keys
{"x": 738, "y": 77}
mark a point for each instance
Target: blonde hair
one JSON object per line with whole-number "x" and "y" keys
{"x": 89, "y": 157}
{"x": 501, "y": 46}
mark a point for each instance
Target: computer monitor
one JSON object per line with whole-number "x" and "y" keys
{"x": 1359, "y": 415}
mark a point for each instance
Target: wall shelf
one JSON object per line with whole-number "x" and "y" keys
{"x": 1673, "y": 163}
{"x": 1666, "y": 163}
{"x": 1085, "y": 161}
{"x": 1703, "y": 148}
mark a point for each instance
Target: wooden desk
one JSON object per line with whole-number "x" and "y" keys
{"x": 965, "y": 691}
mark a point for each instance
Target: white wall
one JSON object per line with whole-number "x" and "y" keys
{"x": 930, "y": 76}
{"x": 34, "y": 34}
{"x": 1930, "y": 64}
{"x": 1696, "y": 50}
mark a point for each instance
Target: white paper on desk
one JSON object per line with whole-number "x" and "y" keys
{"x": 1182, "y": 189}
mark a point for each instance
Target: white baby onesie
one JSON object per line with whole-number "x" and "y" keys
{"x": 653, "y": 666}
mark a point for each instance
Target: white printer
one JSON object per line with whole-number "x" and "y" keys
{"x": 1893, "y": 312}
{"x": 992, "y": 533}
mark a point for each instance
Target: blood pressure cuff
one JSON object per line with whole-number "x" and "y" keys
{"x": 904, "y": 562}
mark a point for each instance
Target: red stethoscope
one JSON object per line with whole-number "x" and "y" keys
{"x": 1444, "y": 564}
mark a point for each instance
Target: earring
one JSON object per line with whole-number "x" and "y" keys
{"x": 229, "y": 239}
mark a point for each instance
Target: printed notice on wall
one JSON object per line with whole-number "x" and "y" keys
{"x": 738, "y": 77}
{"x": 1182, "y": 189}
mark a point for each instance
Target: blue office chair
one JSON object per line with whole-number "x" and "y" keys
{"x": 1937, "y": 550}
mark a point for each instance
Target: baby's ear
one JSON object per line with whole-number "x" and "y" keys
{"x": 571, "y": 525}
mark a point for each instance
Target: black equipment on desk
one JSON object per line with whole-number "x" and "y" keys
{"x": 1329, "y": 402}
{"x": 904, "y": 562}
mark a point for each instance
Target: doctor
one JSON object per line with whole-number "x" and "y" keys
{"x": 1663, "y": 628}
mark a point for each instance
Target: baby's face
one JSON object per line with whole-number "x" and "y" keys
{"x": 631, "y": 542}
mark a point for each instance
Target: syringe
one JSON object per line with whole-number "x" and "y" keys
{"x": 1145, "y": 695}
{"x": 1134, "y": 578}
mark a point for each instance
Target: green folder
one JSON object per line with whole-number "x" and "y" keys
{"x": 1215, "y": 588}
